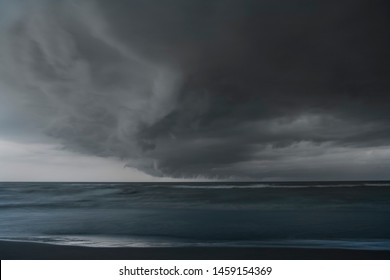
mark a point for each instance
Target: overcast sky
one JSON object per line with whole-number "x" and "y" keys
{"x": 139, "y": 90}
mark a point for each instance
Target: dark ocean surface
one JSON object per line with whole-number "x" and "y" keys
{"x": 345, "y": 215}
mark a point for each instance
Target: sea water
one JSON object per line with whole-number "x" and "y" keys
{"x": 354, "y": 215}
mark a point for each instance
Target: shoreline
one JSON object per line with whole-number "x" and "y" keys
{"x": 15, "y": 250}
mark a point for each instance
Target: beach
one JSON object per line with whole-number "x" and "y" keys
{"x": 10, "y": 250}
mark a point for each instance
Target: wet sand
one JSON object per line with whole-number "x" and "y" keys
{"x": 30, "y": 251}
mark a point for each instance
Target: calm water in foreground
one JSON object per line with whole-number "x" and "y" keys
{"x": 352, "y": 215}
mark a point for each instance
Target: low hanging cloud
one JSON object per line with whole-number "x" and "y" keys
{"x": 227, "y": 89}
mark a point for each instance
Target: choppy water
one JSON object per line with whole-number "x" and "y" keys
{"x": 312, "y": 214}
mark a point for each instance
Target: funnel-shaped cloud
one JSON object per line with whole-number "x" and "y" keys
{"x": 264, "y": 89}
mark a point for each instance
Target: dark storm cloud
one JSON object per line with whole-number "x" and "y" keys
{"x": 250, "y": 89}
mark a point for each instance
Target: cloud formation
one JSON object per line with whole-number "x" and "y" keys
{"x": 228, "y": 89}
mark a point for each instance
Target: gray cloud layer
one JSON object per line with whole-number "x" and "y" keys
{"x": 247, "y": 89}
